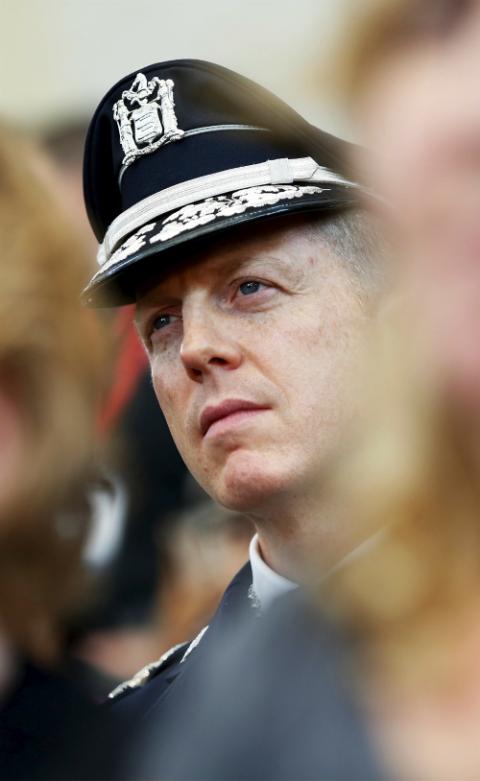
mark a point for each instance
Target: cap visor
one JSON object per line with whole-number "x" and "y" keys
{"x": 153, "y": 248}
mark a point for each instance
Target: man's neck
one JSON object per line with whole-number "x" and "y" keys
{"x": 319, "y": 537}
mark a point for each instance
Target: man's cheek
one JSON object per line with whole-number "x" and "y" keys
{"x": 173, "y": 409}
{"x": 158, "y": 393}
{"x": 166, "y": 397}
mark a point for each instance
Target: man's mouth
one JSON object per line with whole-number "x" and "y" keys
{"x": 233, "y": 409}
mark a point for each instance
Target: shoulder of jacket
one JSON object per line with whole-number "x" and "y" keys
{"x": 149, "y": 671}
{"x": 176, "y": 654}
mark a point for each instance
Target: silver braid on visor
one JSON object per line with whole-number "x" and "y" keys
{"x": 272, "y": 172}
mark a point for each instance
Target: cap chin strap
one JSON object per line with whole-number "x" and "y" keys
{"x": 279, "y": 171}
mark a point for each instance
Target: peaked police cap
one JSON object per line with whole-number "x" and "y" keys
{"x": 181, "y": 151}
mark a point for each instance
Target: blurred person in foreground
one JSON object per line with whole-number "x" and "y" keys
{"x": 232, "y": 224}
{"x": 413, "y": 84}
{"x": 51, "y": 363}
{"x": 404, "y": 634}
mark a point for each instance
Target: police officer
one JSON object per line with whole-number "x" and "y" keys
{"x": 235, "y": 227}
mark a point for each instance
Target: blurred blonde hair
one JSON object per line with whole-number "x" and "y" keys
{"x": 412, "y": 468}
{"x": 410, "y": 471}
{"x": 51, "y": 362}
{"x": 380, "y": 28}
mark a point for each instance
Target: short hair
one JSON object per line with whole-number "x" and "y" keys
{"x": 356, "y": 237}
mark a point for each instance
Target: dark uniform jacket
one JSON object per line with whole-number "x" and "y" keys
{"x": 149, "y": 694}
{"x": 257, "y": 697}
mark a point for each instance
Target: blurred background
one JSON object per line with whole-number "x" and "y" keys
{"x": 58, "y": 57}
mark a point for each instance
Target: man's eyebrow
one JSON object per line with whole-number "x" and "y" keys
{"x": 288, "y": 266}
{"x": 235, "y": 261}
{"x": 141, "y": 315}
{"x": 243, "y": 260}
{"x": 150, "y": 301}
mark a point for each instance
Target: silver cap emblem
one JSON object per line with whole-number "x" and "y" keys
{"x": 146, "y": 118}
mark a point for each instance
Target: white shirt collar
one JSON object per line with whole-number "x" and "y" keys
{"x": 267, "y": 585}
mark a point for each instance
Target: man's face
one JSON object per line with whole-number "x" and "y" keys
{"x": 251, "y": 348}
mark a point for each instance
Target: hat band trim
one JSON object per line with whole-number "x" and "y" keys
{"x": 277, "y": 171}
{"x": 197, "y": 131}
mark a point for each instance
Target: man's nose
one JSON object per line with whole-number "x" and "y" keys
{"x": 207, "y": 344}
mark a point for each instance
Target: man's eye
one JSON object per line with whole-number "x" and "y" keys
{"x": 161, "y": 322}
{"x": 250, "y": 287}
{"x": 160, "y": 328}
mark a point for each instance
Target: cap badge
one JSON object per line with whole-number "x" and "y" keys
{"x": 146, "y": 118}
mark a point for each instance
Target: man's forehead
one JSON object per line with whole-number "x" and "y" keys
{"x": 223, "y": 256}
{"x": 201, "y": 270}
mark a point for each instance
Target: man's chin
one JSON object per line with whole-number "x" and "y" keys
{"x": 247, "y": 482}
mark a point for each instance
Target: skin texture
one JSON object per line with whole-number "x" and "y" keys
{"x": 272, "y": 319}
